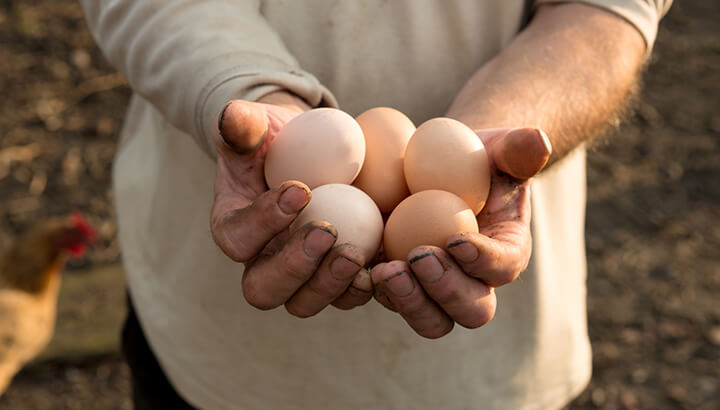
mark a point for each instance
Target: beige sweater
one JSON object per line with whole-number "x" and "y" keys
{"x": 185, "y": 59}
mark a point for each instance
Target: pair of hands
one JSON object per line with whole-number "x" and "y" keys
{"x": 306, "y": 272}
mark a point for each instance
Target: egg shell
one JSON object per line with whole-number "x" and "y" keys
{"x": 387, "y": 132}
{"x": 319, "y": 147}
{"x": 445, "y": 154}
{"x": 351, "y": 211}
{"x": 426, "y": 218}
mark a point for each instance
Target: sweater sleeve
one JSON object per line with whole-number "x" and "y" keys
{"x": 189, "y": 57}
{"x": 643, "y": 14}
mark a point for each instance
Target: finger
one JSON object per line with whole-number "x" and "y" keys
{"x": 468, "y": 301}
{"x": 242, "y": 126}
{"x": 378, "y": 291}
{"x": 410, "y": 300}
{"x": 331, "y": 279}
{"x": 273, "y": 279}
{"x": 498, "y": 257}
{"x": 357, "y": 294}
{"x": 243, "y": 233}
{"x": 521, "y": 152}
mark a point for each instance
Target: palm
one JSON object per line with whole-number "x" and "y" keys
{"x": 440, "y": 287}
{"x": 240, "y": 178}
{"x": 304, "y": 270}
{"x": 505, "y": 219}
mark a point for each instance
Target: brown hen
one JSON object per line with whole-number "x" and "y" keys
{"x": 29, "y": 285}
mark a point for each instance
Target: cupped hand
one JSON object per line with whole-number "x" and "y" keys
{"x": 440, "y": 287}
{"x": 249, "y": 222}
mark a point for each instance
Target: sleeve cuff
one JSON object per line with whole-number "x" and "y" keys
{"x": 643, "y": 15}
{"x": 251, "y": 83}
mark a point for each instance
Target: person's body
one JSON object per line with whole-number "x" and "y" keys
{"x": 569, "y": 71}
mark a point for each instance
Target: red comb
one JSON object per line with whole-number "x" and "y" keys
{"x": 77, "y": 250}
{"x": 83, "y": 225}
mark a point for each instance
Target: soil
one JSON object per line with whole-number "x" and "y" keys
{"x": 653, "y": 223}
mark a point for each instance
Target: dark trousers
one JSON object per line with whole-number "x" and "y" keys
{"x": 150, "y": 386}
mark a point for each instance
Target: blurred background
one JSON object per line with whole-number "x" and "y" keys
{"x": 653, "y": 219}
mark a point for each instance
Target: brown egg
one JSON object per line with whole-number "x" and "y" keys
{"x": 387, "y": 132}
{"x": 445, "y": 154}
{"x": 426, "y": 218}
{"x": 355, "y": 216}
{"x": 318, "y": 147}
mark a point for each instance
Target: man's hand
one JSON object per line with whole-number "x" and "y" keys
{"x": 568, "y": 72}
{"x": 440, "y": 287}
{"x": 250, "y": 223}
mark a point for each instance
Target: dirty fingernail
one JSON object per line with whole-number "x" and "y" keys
{"x": 427, "y": 267}
{"x": 293, "y": 199}
{"x": 400, "y": 284}
{"x": 463, "y": 251}
{"x": 318, "y": 242}
{"x": 343, "y": 268}
{"x": 363, "y": 281}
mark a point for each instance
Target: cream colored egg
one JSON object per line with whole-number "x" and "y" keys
{"x": 445, "y": 154}
{"x": 387, "y": 132}
{"x": 426, "y": 218}
{"x": 321, "y": 146}
{"x": 353, "y": 214}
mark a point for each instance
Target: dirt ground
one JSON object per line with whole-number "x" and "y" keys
{"x": 653, "y": 223}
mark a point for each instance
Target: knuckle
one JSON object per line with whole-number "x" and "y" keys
{"x": 448, "y": 296}
{"x": 325, "y": 287}
{"x": 480, "y": 317}
{"x": 235, "y": 248}
{"x": 238, "y": 253}
{"x": 294, "y": 268}
{"x": 266, "y": 214}
{"x": 255, "y": 298}
{"x": 414, "y": 307}
{"x": 343, "y": 306}
{"x": 437, "y": 331}
{"x": 297, "y": 310}
{"x": 505, "y": 276}
{"x": 347, "y": 301}
{"x": 260, "y": 303}
{"x": 320, "y": 289}
{"x": 359, "y": 296}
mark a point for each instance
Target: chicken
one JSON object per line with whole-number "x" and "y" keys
{"x": 29, "y": 285}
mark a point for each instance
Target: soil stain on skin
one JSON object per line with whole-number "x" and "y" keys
{"x": 652, "y": 215}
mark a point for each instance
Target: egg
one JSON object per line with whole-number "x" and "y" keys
{"x": 426, "y": 218}
{"x": 352, "y": 212}
{"x": 387, "y": 132}
{"x": 445, "y": 154}
{"x": 320, "y": 146}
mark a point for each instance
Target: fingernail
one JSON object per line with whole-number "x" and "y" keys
{"x": 399, "y": 284}
{"x": 363, "y": 281}
{"x": 427, "y": 267}
{"x": 545, "y": 140}
{"x": 524, "y": 153}
{"x": 293, "y": 199}
{"x": 343, "y": 268}
{"x": 318, "y": 241}
{"x": 463, "y": 251}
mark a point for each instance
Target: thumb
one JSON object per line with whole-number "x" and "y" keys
{"x": 522, "y": 152}
{"x": 242, "y": 126}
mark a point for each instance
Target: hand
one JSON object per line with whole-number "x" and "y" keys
{"x": 439, "y": 287}
{"x": 250, "y": 223}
